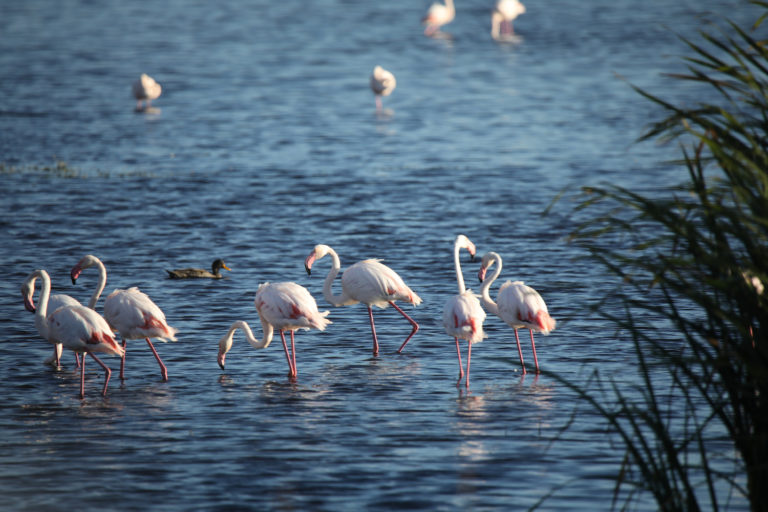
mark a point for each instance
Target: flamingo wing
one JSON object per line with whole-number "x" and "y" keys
{"x": 522, "y": 306}
{"x": 289, "y": 306}
{"x": 373, "y": 283}
{"x": 82, "y": 329}
{"x": 134, "y": 315}
{"x": 463, "y": 317}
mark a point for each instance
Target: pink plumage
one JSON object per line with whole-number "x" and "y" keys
{"x": 76, "y": 328}
{"x": 369, "y": 282}
{"x": 130, "y": 312}
{"x": 517, "y": 304}
{"x": 463, "y": 316}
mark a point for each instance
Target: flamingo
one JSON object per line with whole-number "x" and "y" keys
{"x": 55, "y": 301}
{"x": 520, "y": 306}
{"x": 437, "y": 16}
{"x": 463, "y": 316}
{"x": 281, "y": 306}
{"x": 145, "y": 89}
{"x": 191, "y": 273}
{"x": 382, "y": 84}
{"x": 75, "y": 327}
{"x": 503, "y": 15}
{"x": 129, "y": 312}
{"x": 369, "y": 282}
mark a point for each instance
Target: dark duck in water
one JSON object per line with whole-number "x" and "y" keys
{"x": 191, "y": 273}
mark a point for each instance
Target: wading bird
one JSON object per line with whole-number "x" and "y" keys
{"x": 438, "y": 15}
{"x": 382, "y": 84}
{"x": 518, "y": 305}
{"x": 281, "y": 306}
{"x": 129, "y": 312}
{"x": 145, "y": 89}
{"x": 502, "y": 16}
{"x": 77, "y": 328}
{"x": 463, "y": 316}
{"x": 369, "y": 282}
{"x": 55, "y": 301}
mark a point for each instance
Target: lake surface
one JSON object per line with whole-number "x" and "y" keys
{"x": 266, "y": 142}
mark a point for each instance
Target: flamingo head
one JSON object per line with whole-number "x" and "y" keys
{"x": 462, "y": 242}
{"x": 27, "y": 290}
{"x": 85, "y": 262}
{"x": 317, "y": 253}
{"x": 488, "y": 261}
{"x": 225, "y": 343}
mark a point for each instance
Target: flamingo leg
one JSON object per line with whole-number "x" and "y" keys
{"x": 77, "y": 360}
{"x": 163, "y": 369}
{"x": 379, "y": 106}
{"x": 107, "y": 373}
{"x": 520, "y": 351}
{"x": 461, "y": 369}
{"x": 469, "y": 356}
{"x": 291, "y": 371}
{"x": 535, "y": 359}
{"x": 412, "y": 322}
{"x": 373, "y": 330}
{"x": 56, "y": 354}
{"x": 82, "y": 379}
{"x": 122, "y": 362}
{"x": 293, "y": 355}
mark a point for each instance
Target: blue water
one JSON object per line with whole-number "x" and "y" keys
{"x": 266, "y": 142}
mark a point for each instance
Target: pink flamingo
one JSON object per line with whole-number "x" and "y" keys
{"x": 129, "y": 312}
{"x": 145, "y": 89}
{"x": 519, "y": 306}
{"x": 369, "y": 282}
{"x": 463, "y": 316}
{"x": 55, "y": 301}
{"x": 281, "y": 306}
{"x": 382, "y": 84}
{"x": 75, "y": 327}
{"x": 503, "y": 15}
{"x": 437, "y": 16}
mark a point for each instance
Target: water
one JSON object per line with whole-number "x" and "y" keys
{"x": 267, "y": 142}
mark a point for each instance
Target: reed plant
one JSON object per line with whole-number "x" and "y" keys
{"x": 691, "y": 267}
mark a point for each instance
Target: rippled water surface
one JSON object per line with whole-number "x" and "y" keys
{"x": 266, "y": 142}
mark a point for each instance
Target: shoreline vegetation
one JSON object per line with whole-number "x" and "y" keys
{"x": 690, "y": 265}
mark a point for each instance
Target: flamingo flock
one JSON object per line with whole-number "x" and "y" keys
{"x": 285, "y": 306}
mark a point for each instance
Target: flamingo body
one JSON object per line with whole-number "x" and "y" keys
{"x": 502, "y": 16}
{"x": 463, "y": 316}
{"x": 283, "y": 306}
{"x": 55, "y": 301}
{"x": 438, "y": 15}
{"x": 382, "y": 84}
{"x": 130, "y": 312}
{"x": 517, "y": 304}
{"x": 145, "y": 89}
{"x": 76, "y": 328}
{"x": 369, "y": 282}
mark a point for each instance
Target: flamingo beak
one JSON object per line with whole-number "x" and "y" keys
{"x": 221, "y": 360}
{"x": 481, "y": 274}
{"x": 75, "y": 274}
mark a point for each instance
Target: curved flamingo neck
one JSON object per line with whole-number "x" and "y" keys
{"x": 336, "y": 300}
{"x": 252, "y": 340}
{"x": 457, "y": 262}
{"x": 485, "y": 295}
{"x": 100, "y": 285}
{"x": 41, "y": 312}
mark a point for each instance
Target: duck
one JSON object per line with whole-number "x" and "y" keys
{"x": 192, "y": 273}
